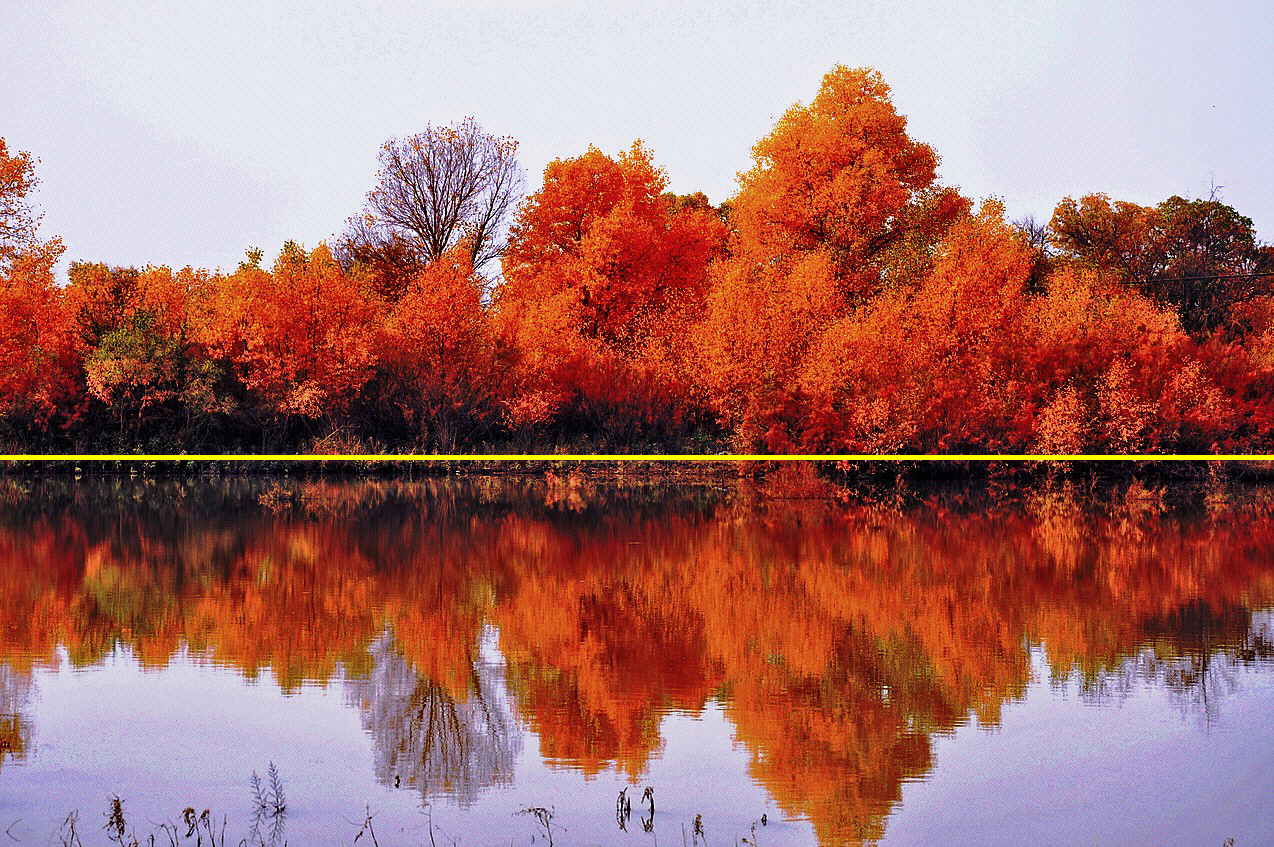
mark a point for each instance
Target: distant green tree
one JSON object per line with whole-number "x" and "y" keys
{"x": 1199, "y": 257}
{"x": 140, "y": 362}
{"x": 134, "y": 370}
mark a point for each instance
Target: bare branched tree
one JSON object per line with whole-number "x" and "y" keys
{"x": 425, "y": 739}
{"x": 18, "y": 223}
{"x": 439, "y": 189}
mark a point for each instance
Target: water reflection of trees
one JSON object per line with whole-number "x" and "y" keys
{"x": 425, "y": 738}
{"x": 840, "y": 640}
{"x": 1195, "y": 653}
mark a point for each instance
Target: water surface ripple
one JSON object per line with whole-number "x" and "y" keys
{"x": 920, "y": 668}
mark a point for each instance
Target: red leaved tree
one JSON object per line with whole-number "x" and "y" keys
{"x": 603, "y": 275}
{"x": 301, "y": 338}
{"x": 839, "y": 198}
{"x": 38, "y": 359}
{"x": 439, "y": 352}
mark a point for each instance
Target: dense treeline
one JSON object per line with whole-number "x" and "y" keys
{"x": 842, "y": 301}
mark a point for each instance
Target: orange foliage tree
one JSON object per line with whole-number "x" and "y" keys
{"x": 970, "y": 360}
{"x": 301, "y": 338}
{"x": 439, "y": 352}
{"x": 924, "y": 367}
{"x": 603, "y": 275}
{"x": 1198, "y": 257}
{"x": 838, "y": 193}
{"x": 39, "y": 360}
{"x": 137, "y": 330}
{"x": 37, "y": 354}
{"x": 18, "y": 221}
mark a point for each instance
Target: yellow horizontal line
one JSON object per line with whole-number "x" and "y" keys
{"x": 648, "y": 457}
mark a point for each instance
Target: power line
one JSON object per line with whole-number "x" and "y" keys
{"x": 1140, "y": 280}
{"x": 1211, "y": 276}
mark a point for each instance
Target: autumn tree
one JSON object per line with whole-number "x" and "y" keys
{"x": 18, "y": 221}
{"x": 1110, "y": 235}
{"x": 1212, "y": 265}
{"x": 434, "y": 191}
{"x": 1199, "y": 257}
{"x": 1199, "y": 260}
{"x": 839, "y": 197}
{"x": 836, "y": 176}
{"x": 300, "y": 338}
{"x": 137, "y": 333}
{"x": 439, "y": 352}
{"x": 926, "y": 368}
{"x": 604, "y": 273}
{"x": 134, "y": 368}
{"x": 602, "y": 234}
{"x": 1039, "y": 238}
{"x": 37, "y": 351}
{"x": 975, "y": 359}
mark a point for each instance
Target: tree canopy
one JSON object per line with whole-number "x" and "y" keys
{"x": 843, "y": 299}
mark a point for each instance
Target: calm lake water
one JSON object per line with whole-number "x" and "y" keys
{"x": 939, "y": 668}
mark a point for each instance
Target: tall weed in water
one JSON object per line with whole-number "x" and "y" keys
{"x": 543, "y": 816}
{"x": 271, "y": 806}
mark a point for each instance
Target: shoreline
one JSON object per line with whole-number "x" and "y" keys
{"x": 971, "y": 466}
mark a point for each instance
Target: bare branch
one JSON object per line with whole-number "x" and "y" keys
{"x": 435, "y": 191}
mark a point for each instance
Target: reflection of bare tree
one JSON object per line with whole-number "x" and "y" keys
{"x": 1195, "y": 653}
{"x": 427, "y": 739}
{"x": 15, "y": 730}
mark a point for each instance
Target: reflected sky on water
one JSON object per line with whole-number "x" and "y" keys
{"x": 937, "y": 666}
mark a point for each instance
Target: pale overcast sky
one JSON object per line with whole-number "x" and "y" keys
{"x": 182, "y": 133}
